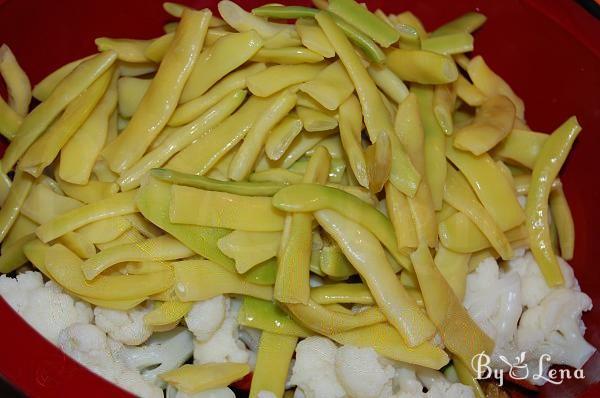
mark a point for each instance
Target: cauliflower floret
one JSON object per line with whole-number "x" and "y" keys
{"x": 314, "y": 370}
{"x": 266, "y": 394}
{"x": 224, "y": 392}
{"x": 163, "y": 352}
{"x": 411, "y": 381}
{"x": 90, "y": 346}
{"x": 46, "y": 307}
{"x": 224, "y": 345}
{"x": 362, "y": 372}
{"x": 127, "y": 327}
{"x": 555, "y": 328}
{"x": 206, "y": 317}
{"x": 496, "y": 310}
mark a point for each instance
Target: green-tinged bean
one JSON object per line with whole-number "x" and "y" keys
{"x": 493, "y": 121}
{"x": 459, "y": 333}
{"x": 466, "y": 23}
{"x": 342, "y": 293}
{"x": 263, "y": 273}
{"x": 215, "y": 62}
{"x": 197, "y": 280}
{"x": 187, "y": 112}
{"x": 410, "y": 19}
{"x": 281, "y": 136}
{"x": 10, "y": 121}
{"x": 281, "y": 12}
{"x": 366, "y": 254}
{"x": 11, "y": 208}
{"x": 167, "y": 313}
{"x": 276, "y": 176}
{"x": 546, "y": 169}
{"x": 521, "y": 146}
{"x": 314, "y": 197}
{"x": 167, "y": 88}
{"x": 388, "y": 82}
{"x": 36, "y": 122}
{"x": 250, "y": 249}
{"x": 492, "y": 188}
{"x": 267, "y": 316}
{"x": 384, "y": 339}
{"x": 180, "y": 138}
{"x": 423, "y": 67}
{"x": 115, "y": 205}
{"x": 192, "y": 379}
{"x": 153, "y": 202}
{"x": 460, "y": 196}
{"x": 331, "y": 87}
{"x": 563, "y": 219}
{"x": 273, "y": 360}
{"x": 434, "y": 144}
{"x": 449, "y": 44}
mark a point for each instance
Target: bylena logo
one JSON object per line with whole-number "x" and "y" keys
{"x": 521, "y": 370}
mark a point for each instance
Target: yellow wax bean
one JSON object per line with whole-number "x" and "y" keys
{"x": 17, "y": 82}
{"x": 366, "y": 254}
{"x": 44, "y": 88}
{"x": 135, "y": 69}
{"x": 466, "y": 377}
{"x": 104, "y": 231}
{"x": 131, "y": 92}
{"x": 13, "y": 256}
{"x": 459, "y": 195}
{"x": 78, "y": 244}
{"x": 43, "y": 151}
{"x": 384, "y": 339}
{"x": 492, "y": 188}
{"x": 115, "y": 205}
{"x": 282, "y": 135}
{"x": 458, "y": 331}
{"x": 167, "y": 313}
{"x": 468, "y": 92}
{"x": 228, "y": 53}
{"x": 278, "y": 77}
{"x": 332, "y": 261}
{"x": 287, "y": 55}
{"x": 176, "y": 10}
{"x": 468, "y": 23}
{"x": 243, "y": 21}
{"x": 5, "y": 183}
{"x": 234, "y": 81}
{"x": 10, "y": 121}
{"x": 491, "y": 84}
{"x": 50, "y": 183}
{"x": 402, "y": 174}
{"x": 179, "y": 138}
{"x": 523, "y": 182}
{"x": 102, "y": 172}
{"x": 268, "y": 316}
{"x": 197, "y": 280}
{"x": 22, "y": 226}
{"x": 388, "y": 82}
{"x": 9, "y": 212}
{"x": 408, "y": 18}
{"x": 273, "y": 359}
{"x": 249, "y": 249}
{"x": 401, "y": 217}
{"x": 325, "y": 321}
{"x": 284, "y": 39}
{"x": 493, "y": 121}
{"x": 434, "y": 144}
{"x": 91, "y": 192}
{"x": 303, "y": 144}
{"x": 449, "y": 44}
{"x": 132, "y": 235}
{"x": 78, "y": 156}
{"x": 223, "y": 210}
{"x": 444, "y": 101}
{"x": 313, "y": 37}
{"x": 153, "y": 201}
{"x": 42, "y": 204}
{"x": 157, "y": 48}
{"x": 129, "y": 50}
{"x": 521, "y": 146}
{"x": 350, "y": 124}
{"x": 563, "y": 219}
{"x": 331, "y": 87}
{"x": 249, "y": 150}
{"x": 333, "y": 144}
{"x": 144, "y": 226}
{"x": 423, "y": 67}
{"x": 546, "y": 169}
{"x": 409, "y": 129}
{"x": 342, "y": 293}
{"x": 454, "y": 267}
{"x": 208, "y": 149}
{"x": 276, "y": 175}
{"x": 292, "y": 282}
{"x": 162, "y": 248}
{"x": 162, "y": 96}
{"x": 314, "y": 120}
{"x": 35, "y": 123}
{"x": 65, "y": 268}
{"x": 462, "y": 60}
{"x": 192, "y": 379}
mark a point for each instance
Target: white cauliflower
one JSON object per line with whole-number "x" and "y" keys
{"x": 45, "y": 306}
{"x": 363, "y": 373}
{"x": 224, "y": 392}
{"x": 162, "y": 353}
{"x": 411, "y": 381}
{"x": 224, "y": 345}
{"x": 206, "y": 317}
{"x": 314, "y": 370}
{"x": 91, "y": 347}
{"x": 127, "y": 327}
{"x": 266, "y": 394}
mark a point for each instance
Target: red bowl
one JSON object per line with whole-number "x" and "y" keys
{"x": 547, "y": 50}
